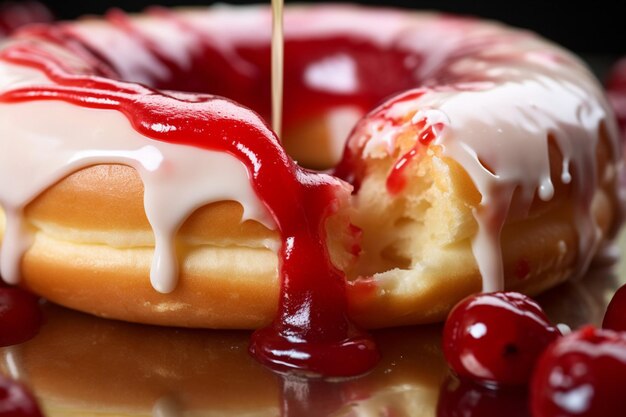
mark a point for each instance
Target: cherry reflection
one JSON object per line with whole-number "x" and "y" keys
{"x": 463, "y": 398}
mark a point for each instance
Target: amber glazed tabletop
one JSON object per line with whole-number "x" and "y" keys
{"x": 85, "y": 366}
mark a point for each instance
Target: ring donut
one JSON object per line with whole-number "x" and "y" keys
{"x": 482, "y": 157}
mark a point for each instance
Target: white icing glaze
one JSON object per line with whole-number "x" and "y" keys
{"x": 502, "y": 95}
{"x": 37, "y": 149}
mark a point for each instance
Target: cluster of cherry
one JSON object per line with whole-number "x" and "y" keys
{"x": 510, "y": 358}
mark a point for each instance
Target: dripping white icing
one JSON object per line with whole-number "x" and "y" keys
{"x": 177, "y": 179}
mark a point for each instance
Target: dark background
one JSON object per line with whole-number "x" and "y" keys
{"x": 595, "y": 29}
{"x": 592, "y": 27}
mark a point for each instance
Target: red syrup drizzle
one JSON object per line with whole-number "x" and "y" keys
{"x": 351, "y": 167}
{"x": 396, "y": 180}
{"x": 311, "y": 332}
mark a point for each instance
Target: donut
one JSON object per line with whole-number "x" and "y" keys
{"x": 451, "y": 154}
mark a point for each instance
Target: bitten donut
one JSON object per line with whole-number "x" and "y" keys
{"x": 477, "y": 157}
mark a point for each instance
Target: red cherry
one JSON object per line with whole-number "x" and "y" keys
{"x": 496, "y": 338}
{"x": 463, "y": 398}
{"x": 615, "y": 316}
{"x": 16, "y": 401}
{"x": 582, "y": 375}
{"x": 20, "y": 316}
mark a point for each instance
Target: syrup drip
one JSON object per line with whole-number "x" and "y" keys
{"x": 311, "y": 332}
{"x": 277, "y": 65}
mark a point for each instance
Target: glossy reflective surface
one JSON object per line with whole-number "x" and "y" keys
{"x": 81, "y": 365}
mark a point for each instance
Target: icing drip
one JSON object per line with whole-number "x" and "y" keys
{"x": 162, "y": 176}
{"x": 16, "y": 233}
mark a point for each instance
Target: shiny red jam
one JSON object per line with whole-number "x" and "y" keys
{"x": 496, "y": 338}
{"x": 581, "y": 375}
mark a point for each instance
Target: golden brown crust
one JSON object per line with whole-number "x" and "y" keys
{"x": 231, "y": 287}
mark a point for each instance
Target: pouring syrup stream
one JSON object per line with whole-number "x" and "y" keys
{"x": 277, "y": 65}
